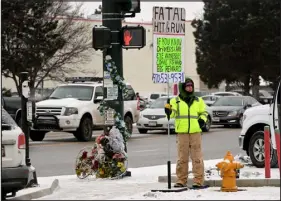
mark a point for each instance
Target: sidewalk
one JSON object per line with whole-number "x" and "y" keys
{"x": 145, "y": 179}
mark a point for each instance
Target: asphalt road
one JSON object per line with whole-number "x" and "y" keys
{"x": 56, "y": 154}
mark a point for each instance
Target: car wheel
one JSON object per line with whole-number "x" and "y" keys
{"x": 207, "y": 126}
{"x": 37, "y": 135}
{"x": 85, "y": 130}
{"x": 129, "y": 123}
{"x": 142, "y": 131}
{"x": 256, "y": 151}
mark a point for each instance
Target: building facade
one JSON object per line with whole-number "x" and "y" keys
{"x": 137, "y": 64}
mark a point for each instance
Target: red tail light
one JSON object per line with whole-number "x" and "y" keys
{"x": 21, "y": 141}
{"x": 138, "y": 104}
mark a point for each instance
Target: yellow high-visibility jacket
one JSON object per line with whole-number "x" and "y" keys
{"x": 186, "y": 118}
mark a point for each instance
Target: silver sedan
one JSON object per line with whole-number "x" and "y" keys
{"x": 154, "y": 118}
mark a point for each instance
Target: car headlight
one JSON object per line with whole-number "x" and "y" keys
{"x": 233, "y": 113}
{"x": 70, "y": 110}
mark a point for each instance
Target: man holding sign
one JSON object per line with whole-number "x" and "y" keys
{"x": 190, "y": 116}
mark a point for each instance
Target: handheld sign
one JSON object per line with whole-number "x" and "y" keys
{"x": 168, "y": 44}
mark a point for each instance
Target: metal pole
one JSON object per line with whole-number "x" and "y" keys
{"x": 32, "y": 177}
{"x": 169, "y": 151}
{"x": 24, "y": 122}
{"x": 112, "y": 20}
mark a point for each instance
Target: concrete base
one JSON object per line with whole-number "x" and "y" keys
{"x": 32, "y": 178}
{"x": 38, "y": 193}
{"x": 240, "y": 182}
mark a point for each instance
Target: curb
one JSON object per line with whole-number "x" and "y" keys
{"x": 239, "y": 182}
{"x": 40, "y": 193}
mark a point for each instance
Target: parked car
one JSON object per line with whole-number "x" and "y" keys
{"x": 265, "y": 97}
{"x": 155, "y": 95}
{"x": 210, "y": 99}
{"x": 15, "y": 173}
{"x": 201, "y": 93}
{"x": 251, "y": 138}
{"x": 13, "y": 106}
{"x": 154, "y": 118}
{"x": 226, "y": 93}
{"x": 228, "y": 110}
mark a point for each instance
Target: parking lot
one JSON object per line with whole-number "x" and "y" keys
{"x": 56, "y": 154}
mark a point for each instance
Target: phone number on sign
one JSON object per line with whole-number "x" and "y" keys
{"x": 164, "y": 77}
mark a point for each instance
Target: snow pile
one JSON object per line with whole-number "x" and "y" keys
{"x": 145, "y": 179}
{"x": 258, "y": 193}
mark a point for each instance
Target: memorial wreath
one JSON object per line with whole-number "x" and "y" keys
{"x": 107, "y": 158}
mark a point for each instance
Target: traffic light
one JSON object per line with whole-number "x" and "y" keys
{"x": 129, "y": 6}
{"x": 133, "y": 37}
{"x": 101, "y": 38}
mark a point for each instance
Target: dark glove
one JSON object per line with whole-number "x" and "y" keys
{"x": 168, "y": 109}
{"x": 201, "y": 123}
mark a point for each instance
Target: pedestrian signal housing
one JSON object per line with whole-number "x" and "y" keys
{"x": 101, "y": 38}
{"x": 133, "y": 37}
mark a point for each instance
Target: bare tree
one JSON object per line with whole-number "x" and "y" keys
{"x": 77, "y": 49}
{"x": 72, "y": 41}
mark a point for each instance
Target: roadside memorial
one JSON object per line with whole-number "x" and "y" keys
{"x": 108, "y": 157}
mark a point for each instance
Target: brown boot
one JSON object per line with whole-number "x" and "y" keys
{"x": 179, "y": 185}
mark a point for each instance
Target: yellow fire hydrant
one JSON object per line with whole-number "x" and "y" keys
{"x": 228, "y": 168}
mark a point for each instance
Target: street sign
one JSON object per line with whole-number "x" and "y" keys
{"x": 168, "y": 44}
{"x": 112, "y": 93}
{"x": 107, "y": 81}
{"x": 29, "y": 111}
{"x": 109, "y": 117}
{"x": 133, "y": 37}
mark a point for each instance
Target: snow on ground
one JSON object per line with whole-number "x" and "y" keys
{"x": 261, "y": 193}
{"x": 145, "y": 179}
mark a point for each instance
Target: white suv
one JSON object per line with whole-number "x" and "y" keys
{"x": 15, "y": 173}
{"x": 73, "y": 108}
{"x": 251, "y": 138}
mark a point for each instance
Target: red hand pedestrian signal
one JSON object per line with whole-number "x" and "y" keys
{"x": 132, "y": 37}
{"x": 127, "y": 37}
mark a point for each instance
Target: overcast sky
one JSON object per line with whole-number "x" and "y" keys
{"x": 193, "y": 9}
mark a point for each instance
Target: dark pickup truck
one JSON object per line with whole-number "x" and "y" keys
{"x": 13, "y": 106}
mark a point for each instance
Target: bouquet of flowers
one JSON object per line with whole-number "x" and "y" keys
{"x": 106, "y": 159}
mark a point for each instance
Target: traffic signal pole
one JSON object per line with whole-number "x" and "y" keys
{"x": 111, "y": 18}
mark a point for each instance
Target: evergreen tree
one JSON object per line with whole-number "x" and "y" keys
{"x": 235, "y": 42}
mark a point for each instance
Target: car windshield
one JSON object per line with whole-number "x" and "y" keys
{"x": 7, "y": 120}
{"x": 83, "y": 93}
{"x": 229, "y": 101}
{"x": 154, "y": 96}
{"x": 159, "y": 103}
